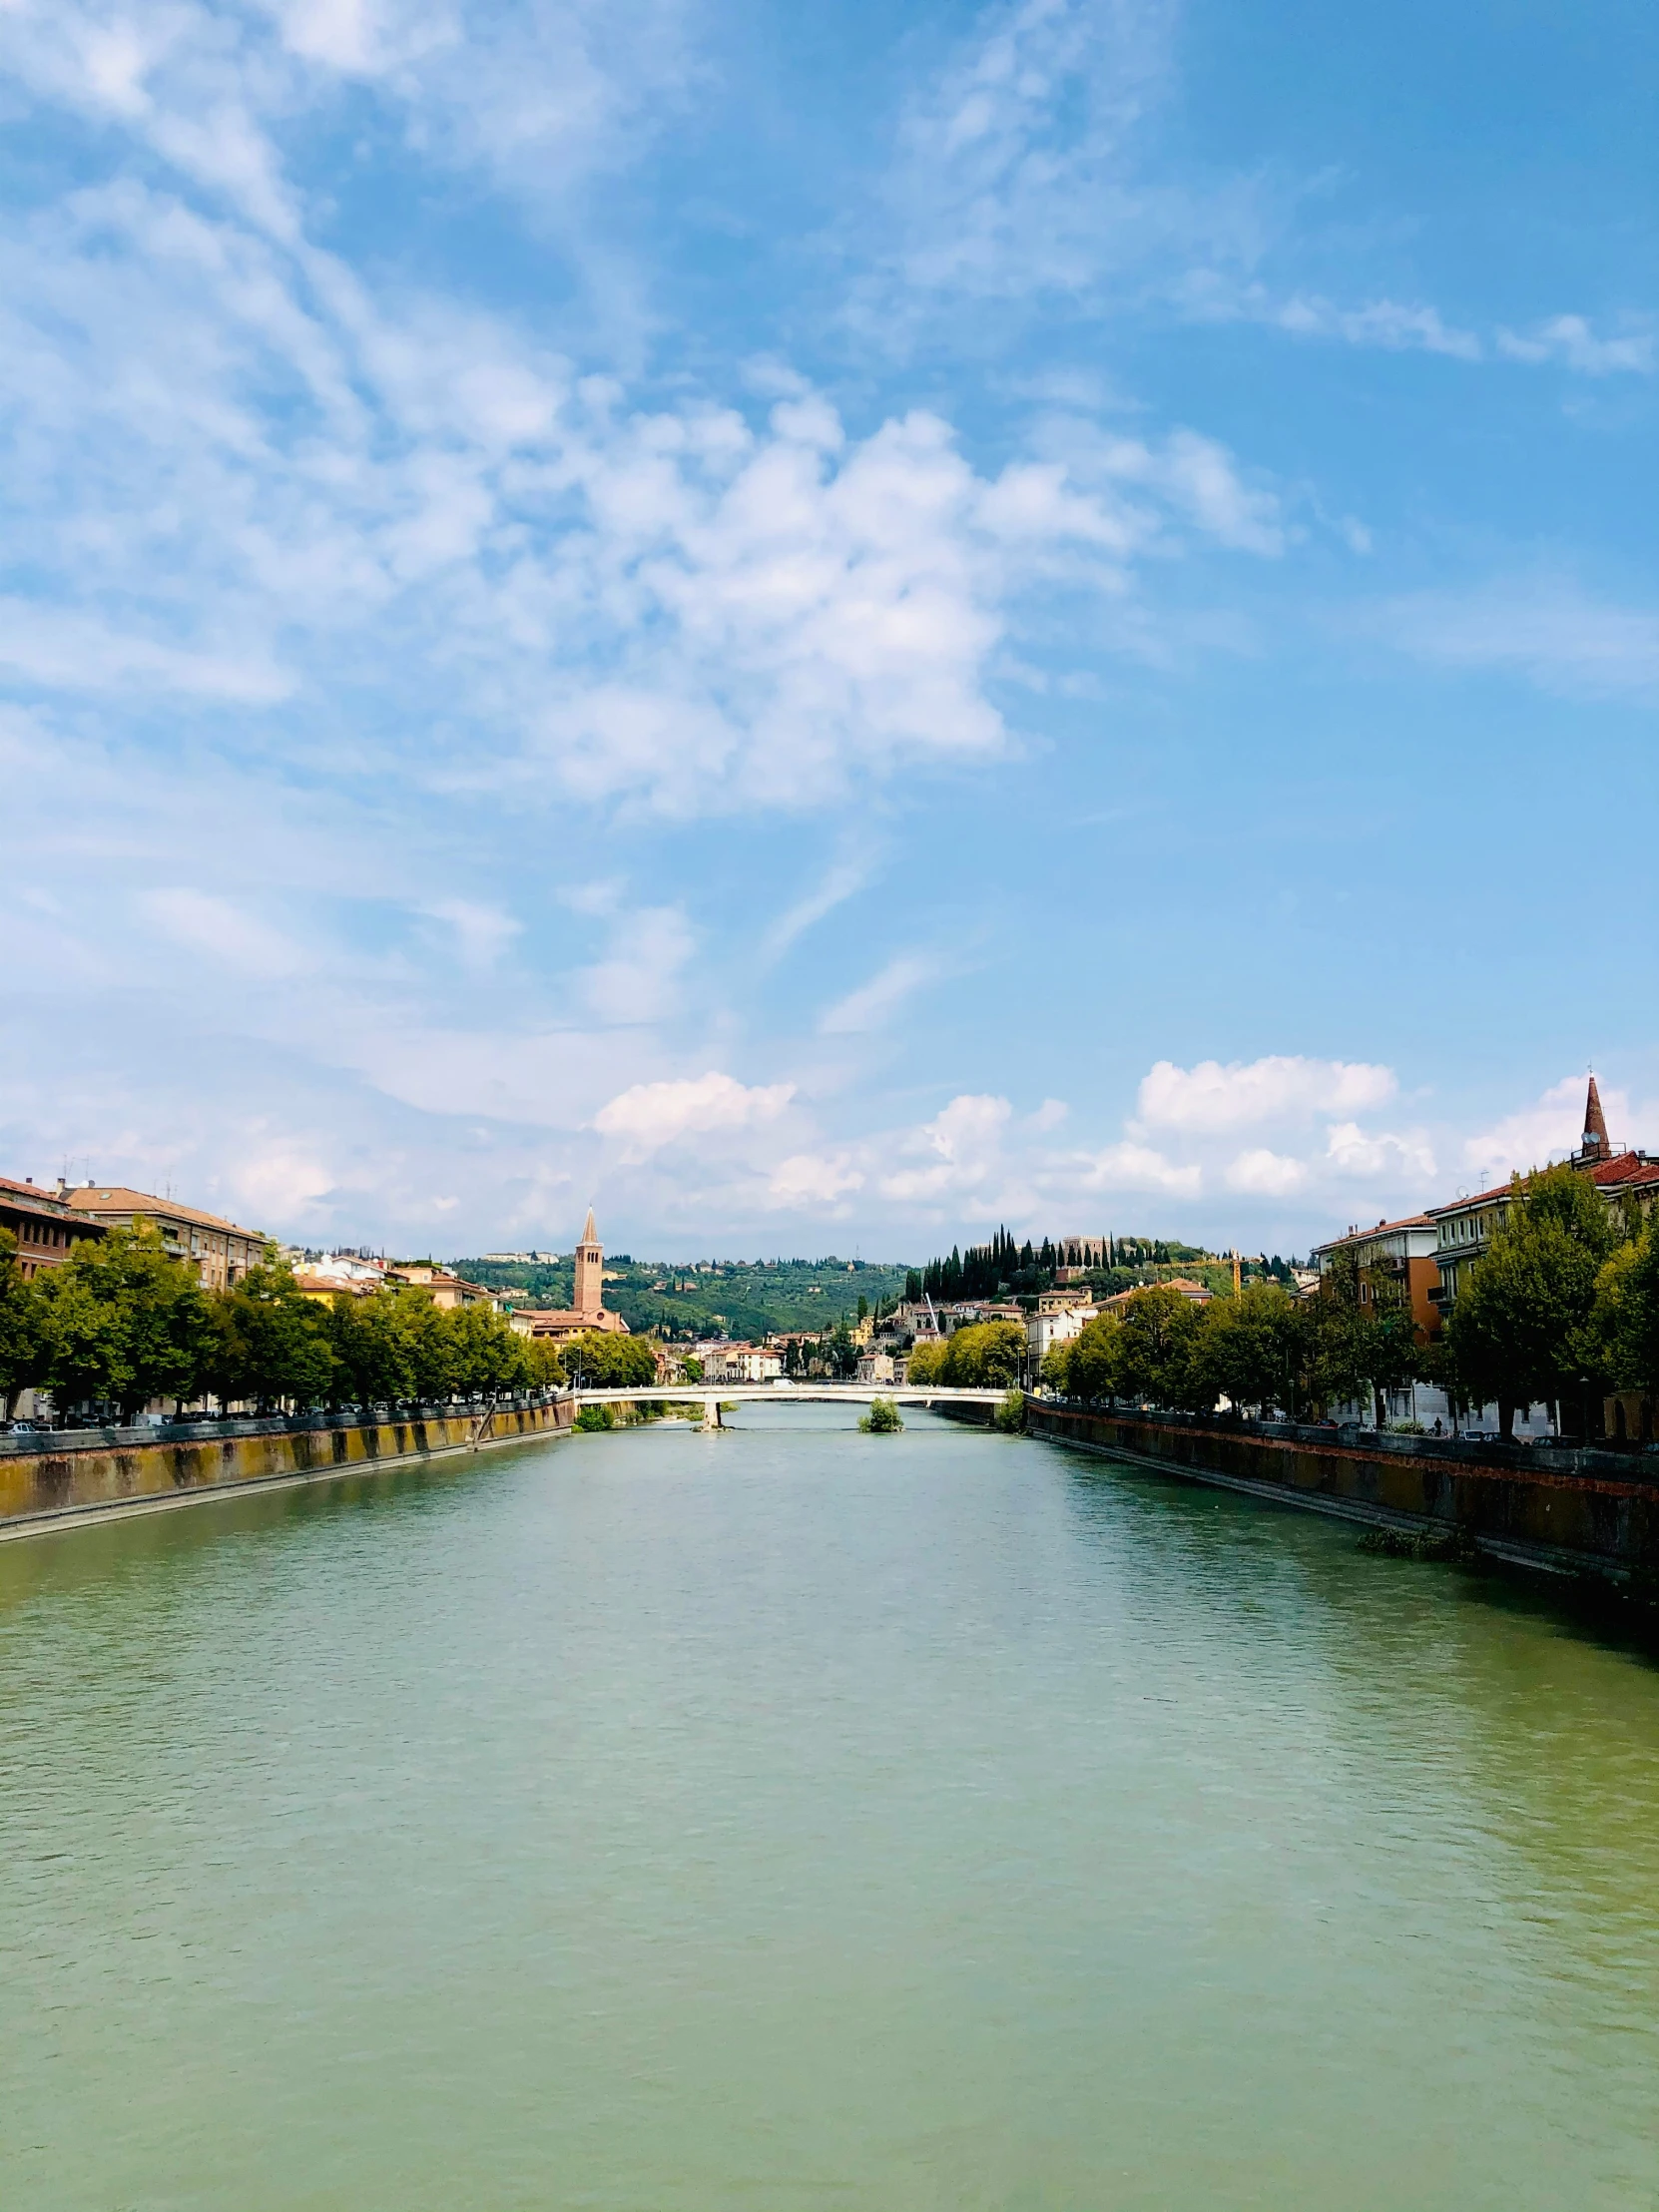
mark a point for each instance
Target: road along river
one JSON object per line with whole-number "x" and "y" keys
{"x": 788, "y": 1819}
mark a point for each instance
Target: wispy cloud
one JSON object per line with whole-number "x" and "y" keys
{"x": 875, "y": 1003}
{"x": 1548, "y": 631}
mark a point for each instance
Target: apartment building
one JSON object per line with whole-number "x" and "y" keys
{"x": 221, "y": 1252}
{"x": 46, "y": 1228}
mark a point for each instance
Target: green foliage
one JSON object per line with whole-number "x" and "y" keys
{"x": 1524, "y": 1326}
{"x": 990, "y": 1355}
{"x": 370, "y": 1349}
{"x": 1248, "y": 1349}
{"x": 1155, "y": 1347}
{"x": 603, "y": 1360}
{"x": 1625, "y": 1322}
{"x": 882, "y": 1419}
{"x": 1090, "y": 1366}
{"x": 1009, "y": 1416}
{"x": 123, "y": 1321}
{"x": 693, "y": 1368}
{"x": 752, "y": 1297}
{"x": 22, "y": 1327}
{"x": 273, "y": 1344}
{"x": 590, "y": 1418}
{"x": 926, "y": 1364}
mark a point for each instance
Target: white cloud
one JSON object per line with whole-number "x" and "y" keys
{"x": 875, "y": 1003}
{"x": 806, "y": 1179}
{"x": 1213, "y": 1096}
{"x": 1569, "y": 339}
{"x": 1265, "y": 1174}
{"x": 1354, "y": 1151}
{"x": 1136, "y": 1167}
{"x": 1393, "y": 325}
{"x": 961, "y": 1147}
{"x": 644, "y": 1118}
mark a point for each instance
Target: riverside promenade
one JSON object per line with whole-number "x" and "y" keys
{"x": 80, "y": 1474}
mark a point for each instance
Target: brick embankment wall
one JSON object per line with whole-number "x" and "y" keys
{"x": 50, "y": 1488}
{"x": 1602, "y": 1517}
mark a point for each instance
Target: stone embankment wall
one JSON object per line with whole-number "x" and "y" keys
{"x": 93, "y": 1471}
{"x": 1577, "y": 1512}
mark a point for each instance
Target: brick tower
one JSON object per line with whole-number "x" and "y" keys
{"x": 590, "y": 1272}
{"x": 1597, "y": 1144}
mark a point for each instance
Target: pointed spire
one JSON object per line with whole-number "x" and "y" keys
{"x": 590, "y": 1235}
{"x": 1596, "y": 1139}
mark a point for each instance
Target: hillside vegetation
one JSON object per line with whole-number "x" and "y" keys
{"x": 746, "y": 1298}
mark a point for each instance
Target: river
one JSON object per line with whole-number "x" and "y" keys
{"x": 789, "y": 1819}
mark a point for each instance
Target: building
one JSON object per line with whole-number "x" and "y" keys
{"x": 1197, "y": 1294}
{"x": 221, "y": 1252}
{"x": 46, "y": 1226}
{"x": 448, "y": 1289}
{"x": 970, "y": 1313}
{"x": 558, "y": 1324}
{"x": 1465, "y": 1228}
{"x": 1396, "y": 1263}
{"x": 1060, "y": 1316}
{"x": 741, "y": 1364}
{"x": 881, "y": 1366}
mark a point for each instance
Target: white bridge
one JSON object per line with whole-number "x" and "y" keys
{"x": 710, "y": 1397}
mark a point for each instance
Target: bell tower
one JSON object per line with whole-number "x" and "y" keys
{"x": 1597, "y": 1144}
{"x": 590, "y": 1272}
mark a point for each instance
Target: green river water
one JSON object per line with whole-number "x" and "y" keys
{"x": 795, "y": 1820}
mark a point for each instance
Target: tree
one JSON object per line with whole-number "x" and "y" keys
{"x": 272, "y": 1342}
{"x": 603, "y": 1360}
{"x": 926, "y": 1363}
{"x": 1159, "y": 1327}
{"x": 1248, "y": 1349}
{"x": 489, "y": 1357}
{"x": 839, "y": 1352}
{"x": 371, "y": 1349}
{"x": 1625, "y": 1321}
{"x": 430, "y": 1344}
{"x": 989, "y": 1356}
{"x": 22, "y": 1327}
{"x": 1092, "y": 1360}
{"x": 1523, "y": 1327}
{"x": 123, "y": 1321}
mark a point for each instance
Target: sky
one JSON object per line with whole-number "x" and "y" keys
{"x": 825, "y": 627}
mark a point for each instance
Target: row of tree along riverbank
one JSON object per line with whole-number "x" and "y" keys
{"x": 1561, "y": 1309}
{"x": 121, "y": 1325}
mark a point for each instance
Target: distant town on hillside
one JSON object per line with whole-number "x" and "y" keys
{"x": 687, "y": 1299}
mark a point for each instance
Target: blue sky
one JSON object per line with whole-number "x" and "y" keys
{"x": 825, "y": 627}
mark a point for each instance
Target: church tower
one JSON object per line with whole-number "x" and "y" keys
{"x": 590, "y": 1272}
{"x": 1597, "y": 1144}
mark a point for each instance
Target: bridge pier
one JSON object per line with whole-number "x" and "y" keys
{"x": 711, "y": 1413}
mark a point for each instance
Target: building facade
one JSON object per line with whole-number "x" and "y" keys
{"x": 221, "y": 1252}
{"x": 46, "y": 1227}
